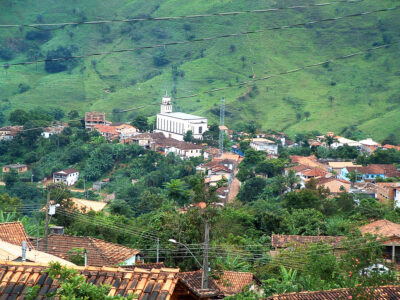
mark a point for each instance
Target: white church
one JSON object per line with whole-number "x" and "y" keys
{"x": 176, "y": 124}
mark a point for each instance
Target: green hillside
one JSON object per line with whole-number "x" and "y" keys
{"x": 359, "y": 93}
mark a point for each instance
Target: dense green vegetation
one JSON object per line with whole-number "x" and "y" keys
{"x": 150, "y": 190}
{"x": 358, "y": 95}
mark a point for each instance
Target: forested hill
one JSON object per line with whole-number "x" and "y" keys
{"x": 357, "y": 94}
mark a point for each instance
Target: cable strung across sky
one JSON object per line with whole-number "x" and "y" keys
{"x": 303, "y": 24}
{"x": 220, "y": 14}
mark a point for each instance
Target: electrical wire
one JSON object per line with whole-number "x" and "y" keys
{"x": 303, "y": 24}
{"x": 173, "y": 18}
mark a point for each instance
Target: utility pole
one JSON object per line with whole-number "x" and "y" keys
{"x": 204, "y": 279}
{"x": 46, "y": 229}
{"x": 221, "y": 124}
{"x": 158, "y": 249}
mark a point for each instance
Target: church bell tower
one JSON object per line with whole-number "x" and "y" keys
{"x": 166, "y": 104}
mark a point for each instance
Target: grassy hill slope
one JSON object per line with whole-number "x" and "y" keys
{"x": 358, "y": 93}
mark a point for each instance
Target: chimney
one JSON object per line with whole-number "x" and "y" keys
{"x": 57, "y": 230}
{"x": 23, "y": 251}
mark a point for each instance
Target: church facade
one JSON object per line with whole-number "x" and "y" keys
{"x": 176, "y": 124}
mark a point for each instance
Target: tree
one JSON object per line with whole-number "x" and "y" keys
{"x": 2, "y": 118}
{"x": 251, "y": 189}
{"x": 18, "y": 117}
{"x": 56, "y": 66}
{"x": 72, "y": 285}
{"x": 329, "y": 140}
{"x": 307, "y": 115}
{"x": 188, "y": 136}
{"x": 73, "y": 114}
{"x": 353, "y": 177}
{"x": 10, "y": 178}
{"x": 160, "y": 58}
{"x": 140, "y": 122}
{"x": 176, "y": 191}
{"x": 8, "y": 203}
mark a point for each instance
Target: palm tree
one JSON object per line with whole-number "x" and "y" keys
{"x": 329, "y": 140}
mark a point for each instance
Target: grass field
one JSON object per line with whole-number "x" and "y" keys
{"x": 363, "y": 92}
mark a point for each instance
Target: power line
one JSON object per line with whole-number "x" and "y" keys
{"x": 290, "y": 71}
{"x": 229, "y": 35}
{"x": 218, "y": 14}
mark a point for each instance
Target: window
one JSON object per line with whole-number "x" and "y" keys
{"x": 200, "y": 130}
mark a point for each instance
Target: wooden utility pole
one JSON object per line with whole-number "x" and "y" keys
{"x": 204, "y": 281}
{"x": 46, "y": 229}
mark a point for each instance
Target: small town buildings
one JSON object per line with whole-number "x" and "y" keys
{"x": 49, "y": 131}
{"x": 9, "y": 132}
{"x": 369, "y": 145}
{"x": 282, "y": 242}
{"x": 17, "y": 167}
{"x": 388, "y": 146}
{"x": 370, "y": 172}
{"x": 147, "y": 139}
{"x": 389, "y": 193}
{"x": 265, "y": 145}
{"x": 176, "y": 124}
{"x": 14, "y": 233}
{"x": 336, "y": 186}
{"x": 341, "y": 141}
{"x": 94, "y": 118}
{"x": 108, "y": 132}
{"x": 337, "y": 166}
{"x": 126, "y": 132}
{"x": 182, "y": 149}
{"x": 99, "y": 252}
{"x": 309, "y": 161}
{"x": 67, "y": 176}
{"x": 388, "y": 234}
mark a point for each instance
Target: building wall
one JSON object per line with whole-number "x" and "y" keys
{"x": 177, "y": 128}
{"x": 69, "y": 179}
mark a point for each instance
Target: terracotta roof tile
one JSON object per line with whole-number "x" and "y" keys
{"x": 383, "y": 228}
{"x": 228, "y": 283}
{"x": 388, "y": 170}
{"x": 100, "y": 253}
{"x": 147, "y": 266}
{"x": 123, "y": 282}
{"x": 379, "y": 293}
{"x": 283, "y": 241}
{"x": 14, "y": 233}
{"x": 315, "y": 172}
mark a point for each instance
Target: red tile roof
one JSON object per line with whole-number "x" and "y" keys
{"x": 315, "y": 172}
{"x": 389, "y": 292}
{"x": 299, "y": 168}
{"x": 157, "y": 284}
{"x": 225, "y": 283}
{"x": 382, "y": 228}
{"x": 388, "y": 170}
{"x": 148, "y": 266}
{"x": 106, "y": 129}
{"x": 100, "y": 253}
{"x": 14, "y": 233}
{"x": 283, "y": 241}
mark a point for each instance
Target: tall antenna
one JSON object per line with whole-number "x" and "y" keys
{"x": 221, "y": 124}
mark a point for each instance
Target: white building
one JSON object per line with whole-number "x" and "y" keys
{"x": 68, "y": 176}
{"x": 176, "y": 124}
{"x": 261, "y": 144}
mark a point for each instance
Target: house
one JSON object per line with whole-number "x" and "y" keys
{"x": 179, "y": 148}
{"x": 388, "y": 146}
{"x": 341, "y": 141}
{"x": 14, "y": 233}
{"x": 282, "y": 242}
{"x": 93, "y": 118}
{"x": 49, "y": 131}
{"x": 388, "y": 233}
{"x": 126, "y": 132}
{"x": 210, "y": 153}
{"x": 11, "y": 252}
{"x": 265, "y": 145}
{"x": 313, "y": 173}
{"x": 225, "y": 283}
{"x": 100, "y": 253}
{"x": 108, "y": 132}
{"x": 370, "y": 172}
{"x": 147, "y": 139}
{"x": 389, "y": 292}
{"x": 157, "y": 284}
{"x": 335, "y": 185}
{"x": 337, "y": 166}
{"x": 9, "y": 132}
{"x": 309, "y": 161}
{"x": 67, "y": 176}
{"x": 17, "y": 167}
{"x": 363, "y": 189}
{"x": 176, "y": 124}
{"x": 369, "y": 145}
{"x": 389, "y": 193}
